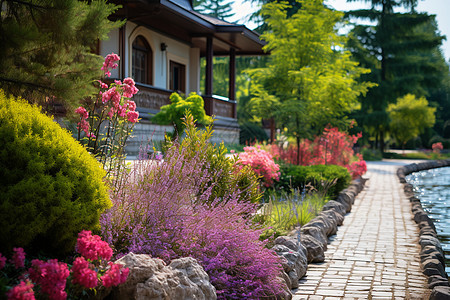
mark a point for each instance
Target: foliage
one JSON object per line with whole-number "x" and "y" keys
{"x": 173, "y": 113}
{"x": 261, "y": 163}
{"x": 318, "y": 176}
{"x": 171, "y": 209}
{"x": 284, "y": 211}
{"x": 50, "y": 187}
{"x": 108, "y": 120}
{"x": 54, "y": 280}
{"x": 309, "y": 81}
{"x": 219, "y": 9}
{"x": 409, "y": 117}
{"x": 371, "y": 154}
{"x": 225, "y": 177}
{"x": 402, "y": 51}
{"x": 46, "y": 48}
{"x": 250, "y": 133}
{"x": 332, "y": 147}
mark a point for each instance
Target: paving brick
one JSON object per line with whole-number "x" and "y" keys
{"x": 375, "y": 253}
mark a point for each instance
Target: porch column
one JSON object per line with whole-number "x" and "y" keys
{"x": 209, "y": 67}
{"x": 232, "y": 78}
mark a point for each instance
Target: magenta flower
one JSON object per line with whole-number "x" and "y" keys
{"x": 111, "y": 95}
{"x": 110, "y": 63}
{"x": 2, "y": 261}
{"x": 82, "y": 274}
{"x": 51, "y": 276}
{"x": 116, "y": 275}
{"x": 131, "y": 105}
{"x": 18, "y": 258}
{"x": 83, "y": 125}
{"x": 92, "y": 247}
{"x": 22, "y": 291}
{"x": 102, "y": 84}
{"x": 82, "y": 112}
{"x": 133, "y": 116}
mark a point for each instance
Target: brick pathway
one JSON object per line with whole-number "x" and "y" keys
{"x": 375, "y": 253}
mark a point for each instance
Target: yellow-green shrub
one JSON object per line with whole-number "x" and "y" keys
{"x": 51, "y": 188}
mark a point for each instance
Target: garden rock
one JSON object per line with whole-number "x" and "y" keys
{"x": 436, "y": 280}
{"x": 317, "y": 233}
{"x": 431, "y": 252}
{"x": 324, "y": 224}
{"x": 150, "y": 278}
{"x": 294, "y": 263}
{"x": 440, "y": 293}
{"x": 314, "y": 247}
{"x": 432, "y": 263}
{"x": 333, "y": 217}
{"x": 427, "y": 240}
{"x": 336, "y": 206}
{"x": 346, "y": 199}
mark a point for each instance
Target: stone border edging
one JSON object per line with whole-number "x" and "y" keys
{"x": 431, "y": 254}
{"x": 296, "y": 255}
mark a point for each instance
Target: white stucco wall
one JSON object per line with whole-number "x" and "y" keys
{"x": 176, "y": 51}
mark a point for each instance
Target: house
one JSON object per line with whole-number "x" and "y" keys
{"x": 160, "y": 47}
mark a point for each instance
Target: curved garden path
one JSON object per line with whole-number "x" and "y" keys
{"x": 375, "y": 253}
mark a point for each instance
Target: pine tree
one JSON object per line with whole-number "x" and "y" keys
{"x": 397, "y": 50}
{"x": 46, "y": 48}
{"x": 219, "y": 9}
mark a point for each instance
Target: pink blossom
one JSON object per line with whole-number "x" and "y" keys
{"x": 122, "y": 110}
{"x": 129, "y": 88}
{"x": 133, "y": 116}
{"x": 84, "y": 126}
{"x": 92, "y": 247}
{"x": 111, "y": 95}
{"x": 118, "y": 82}
{"x": 261, "y": 162}
{"x": 91, "y": 135}
{"x": 22, "y": 291}
{"x": 83, "y": 275}
{"x": 110, "y": 63}
{"x": 437, "y": 147}
{"x": 111, "y": 112}
{"x": 2, "y": 261}
{"x": 82, "y": 112}
{"x": 18, "y": 258}
{"x": 51, "y": 276}
{"x": 115, "y": 275}
{"x": 102, "y": 85}
{"x": 131, "y": 105}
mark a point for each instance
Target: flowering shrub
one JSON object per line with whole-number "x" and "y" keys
{"x": 333, "y": 147}
{"x": 108, "y": 120}
{"x": 437, "y": 147}
{"x": 49, "y": 278}
{"x": 164, "y": 210}
{"x": 261, "y": 163}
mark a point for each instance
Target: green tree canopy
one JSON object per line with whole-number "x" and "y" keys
{"x": 409, "y": 117}
{"x": 46, "y": 47}
{"x": 309, "y": 81}
{"x": 398, "y": 49}
{"x": 220, "y": 9}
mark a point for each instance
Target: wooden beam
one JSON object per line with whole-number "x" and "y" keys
{"x": 209, "y": 66}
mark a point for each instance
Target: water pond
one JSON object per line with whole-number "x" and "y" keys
{"x": 433, "y": 189}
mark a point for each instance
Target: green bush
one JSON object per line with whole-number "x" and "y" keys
{"x": 297, "y": 177}
{"x": 51, "y": 188}
{"x": 225, "y": 176}
{"x": 250, "y": 133}
{"x": 371, "y": 154}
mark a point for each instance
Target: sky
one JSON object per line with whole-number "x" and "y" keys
{"x": 440, "y": 8}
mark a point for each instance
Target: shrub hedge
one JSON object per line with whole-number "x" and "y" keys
{"x": 294, "y": 176}
{"x": 51, "y": 188}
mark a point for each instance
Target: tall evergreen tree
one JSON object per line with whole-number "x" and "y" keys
{"x": 220, "y": 9}
{"x": 46, "y": 47}
{"x": 397, "y": 50}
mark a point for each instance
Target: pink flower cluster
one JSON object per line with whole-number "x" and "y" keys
{"x": 51, "y": 276}
{"x": 22, "y": 291}
{"x": 115, "y": 275}
{"x": 18, "y": 258}
{"x": 437, "y": 147}
{"x": 357, "y": 168}
{"x": 261, "y": 162}
{"x": 83, "y": 124}
{"x": 110, "y": 63}
{"x": 92, "y": 247}
{"x": 114, "y": 97}
{"x": 83, "y": 275}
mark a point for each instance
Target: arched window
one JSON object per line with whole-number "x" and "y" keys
{"x": 141, "y": 61}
